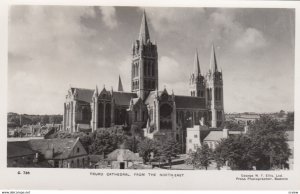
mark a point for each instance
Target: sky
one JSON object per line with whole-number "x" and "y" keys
{"x": 53, "y": 48}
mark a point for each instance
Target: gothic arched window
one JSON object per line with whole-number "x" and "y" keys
{"x": 107, "y": 115}
{"x": 153, "y": 69}
{"x": 188, "y": 119}
{"x": 86, "y": 114}
{"x": 100, "y": 114}
{"x": 165, "y": 110}
{"x": 117, "y": 117}
{"x": 149, "y": 68}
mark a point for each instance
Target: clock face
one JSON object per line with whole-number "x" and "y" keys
{"x": 165, "y": 110}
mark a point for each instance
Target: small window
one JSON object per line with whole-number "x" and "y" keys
{"x": 190, "y": 141}
{"x": 195, "y": 136}
{"x": 78, "y": 150}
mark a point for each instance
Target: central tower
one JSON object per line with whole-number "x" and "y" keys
{"x": 144, "y": 66}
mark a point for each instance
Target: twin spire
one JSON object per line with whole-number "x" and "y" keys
{"x": 144, "y": 35}
{"x": 197, "y": 71}
{"x": 213, "y": 62}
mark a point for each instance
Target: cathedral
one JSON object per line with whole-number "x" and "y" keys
{"x": 145, "y": 110}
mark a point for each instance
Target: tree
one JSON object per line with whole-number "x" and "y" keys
{"x": 106, "y": 141}
{"x": 145, "y": 148}
{"x": 236, "y": 150}
{"x": 264, "y": 146}
{"x": 233, "y": 126}
{"x": 201, "y": 158}
{"x": 131, "y": 142}
{"x": 45, "y": 119}
{"x": 269, "y": 143}
{"x": 169, "y": 149}
{"x": 57, "y": 119}
{"x": 290, "y": 121}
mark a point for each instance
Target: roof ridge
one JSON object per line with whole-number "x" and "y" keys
{"x": 124, "y": 92}
{"x": 188, "y": 96}
{"x": 83, "y": 88}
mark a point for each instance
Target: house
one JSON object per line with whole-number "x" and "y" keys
{"x": 61, "y": 153}
{"x": 193, "y": 137}
{"x": 51, "y": 153}
{"x": 123, "y": 159}
{"x": 200, "y": 134}
{"x": 214, "y": 137}
{"x": 19, "y": 154}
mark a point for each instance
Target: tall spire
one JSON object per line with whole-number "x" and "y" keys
{"x": 213, "y": 60}
{"x": 144, "y": 35}
{"x": 196, "y": 65}
{"x": 120, "y": 86}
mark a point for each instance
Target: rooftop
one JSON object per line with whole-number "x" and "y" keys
{"x": 62, "y": 147}
{"x": 123, "y": 155}
{"x": 18, "y": 149}
{"x": 123, "y": 98}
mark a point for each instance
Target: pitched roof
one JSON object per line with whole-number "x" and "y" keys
{"x": 123, "y": 98}
{"x": 83, "y": 94}
{"x": 214, "y": 136}
{"x": 189, "y": 102}
{"x": 62, "y": 147}
{"x": 18, "y": 149}
{"x": 203, "y": 134}
{"x": 123, "y": 154}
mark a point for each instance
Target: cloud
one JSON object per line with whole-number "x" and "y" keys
{"x": 46, "y": 25}
{"x": 170, "y": 70}
{"x": 51, "y": 47}
{"x": 226, "y": 28}
{"x": 124, "y": 70}
{"x": 109, "y": 16}
{"x": 166, "y": 20}
{"x": 250, "y": 40}
{"x": 172, "y": 75}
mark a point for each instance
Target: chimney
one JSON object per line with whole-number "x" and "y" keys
{"x": 225, "y": 133}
